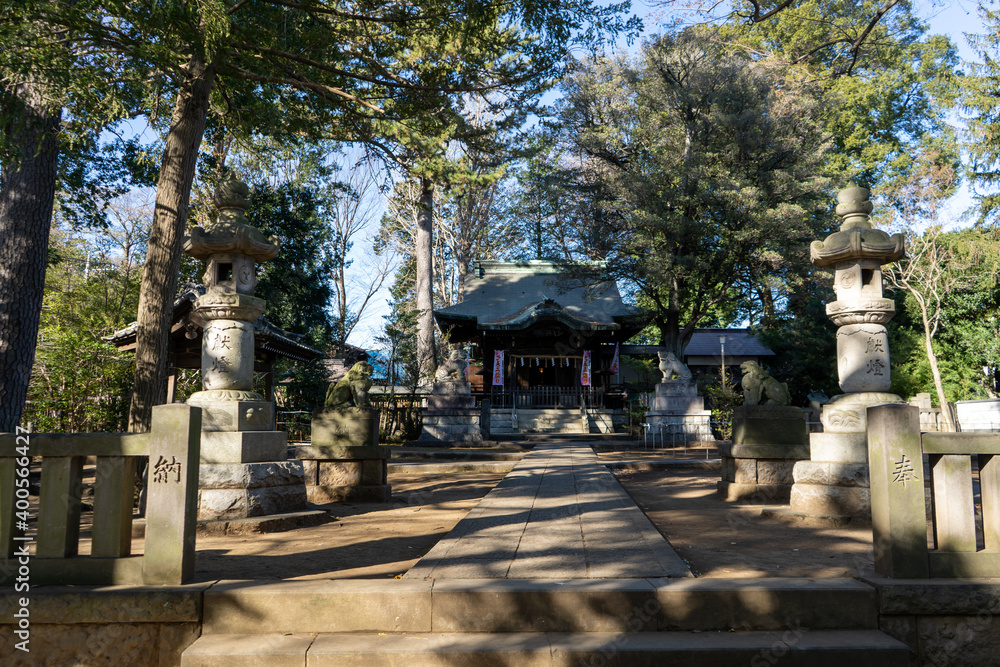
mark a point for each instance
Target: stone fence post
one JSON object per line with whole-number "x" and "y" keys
{"x": 899, "y": 516}
{"x": 172, "y": 505}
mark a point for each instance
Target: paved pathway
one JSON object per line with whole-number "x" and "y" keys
{"x": 559, "y": 514}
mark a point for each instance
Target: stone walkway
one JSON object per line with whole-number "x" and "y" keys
{"x": 559, "y": 514}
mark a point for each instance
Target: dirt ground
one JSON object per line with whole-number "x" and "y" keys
{"x": 719, "y": 539}
{"x": 364, "y": 540}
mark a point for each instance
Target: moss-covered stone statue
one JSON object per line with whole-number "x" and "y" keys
{"x": 343, "y": 460}
{"x": 346, "y": 418}
{"x": 351, "y": 391}
{"x": 759, "y": 388}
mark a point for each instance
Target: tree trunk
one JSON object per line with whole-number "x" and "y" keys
{"x": 340, "y": 287}
{"x": 425, "y": 281}
{"x": 936, "y": 374}
{"x": 159, "y": 277}
{"x": 27, "y": 192}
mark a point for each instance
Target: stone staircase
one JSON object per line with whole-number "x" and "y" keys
{"x": 538, "y": 421}
{"x": 411, "y": 622}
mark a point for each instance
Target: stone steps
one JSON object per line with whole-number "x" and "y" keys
{"x": 859, "y": 648}
{"x": 537, "y": 605}
{"x": 538, "y": 421}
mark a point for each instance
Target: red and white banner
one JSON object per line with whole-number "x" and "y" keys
{"x": 614, "y": 360}
{"x": 585, "y": 370}
{"x": 498, "y": 368}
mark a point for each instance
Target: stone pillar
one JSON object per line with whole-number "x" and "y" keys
{"x": 244, "y": 468}
{"x": 834, "y": 483}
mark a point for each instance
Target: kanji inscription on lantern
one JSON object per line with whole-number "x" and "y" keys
{"x": 875, "y": 367}
{"x": 903, "y": 472}
{"x": 863, "y": 357}
{"x": 875, "y": 345}
{"x": 163, "y": 470}
{"x": 221, "y": 364}
{"x": 221, "y": 342}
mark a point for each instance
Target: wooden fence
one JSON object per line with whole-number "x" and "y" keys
{"x": 964, "y": 477}
{"x": 172, "y": 446}
{"x": 547, "y": 397}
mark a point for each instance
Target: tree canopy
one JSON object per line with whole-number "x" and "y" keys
{"x": 702, "y": 167}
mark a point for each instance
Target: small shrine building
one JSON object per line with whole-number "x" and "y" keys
{"x": 548, "y": 338}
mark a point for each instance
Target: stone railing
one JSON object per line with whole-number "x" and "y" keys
{"x": 172, "y": 446}
{"x": 896, "y": 452}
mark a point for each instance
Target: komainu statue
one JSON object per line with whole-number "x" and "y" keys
{"x": 759, "y": 388}
{"x": 670, "y": 365}
{"x": 453, "y": 370}
{"x": 351, "y": 391}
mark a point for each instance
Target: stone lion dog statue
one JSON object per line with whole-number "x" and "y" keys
{"x": 759, "y": 388}
{"x": 351, "y": 391}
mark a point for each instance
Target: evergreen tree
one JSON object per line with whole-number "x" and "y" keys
{"x": 981, "y": 104}
{"x": 703, "y": 168}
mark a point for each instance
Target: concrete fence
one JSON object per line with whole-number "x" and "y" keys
{"x": 172, "y": 446}
{"x": 957, "y": 547}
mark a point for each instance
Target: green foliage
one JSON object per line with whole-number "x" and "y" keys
{"x": 399, "y": 340}
{"x": 723, "y": 398}
{"x": 981, "y": 103}
{"x": 80, "y": 383}
{"x": 703, "y": 172}
{"x": 303, "y": 385}
{"x": 804, "y": 341}
{"x": 885, "y": 93}
{"x": 296, "y": 284}
{"x": 93, "y": 174}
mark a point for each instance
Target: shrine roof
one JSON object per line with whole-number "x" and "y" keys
{"x": 514, "y": 295}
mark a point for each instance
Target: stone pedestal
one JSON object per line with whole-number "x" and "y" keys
{"x": 768, "y": 440}
{"x": 244, "y": 473}
{"x": 833, "y": 483}
{"x": 344, "y": 460}
{"x": 677, "y": 409}
{"x": 451, "y": 415}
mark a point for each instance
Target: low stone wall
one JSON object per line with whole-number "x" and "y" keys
{"x": 110, "y": 625}
{"x": 947, "y": 622}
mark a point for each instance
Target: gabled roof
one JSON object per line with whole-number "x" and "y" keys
{"x": 739, "y": 343}
{"x": 515, "y": 295}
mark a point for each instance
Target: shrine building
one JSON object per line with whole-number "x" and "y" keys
{"x": 548, "y": 340}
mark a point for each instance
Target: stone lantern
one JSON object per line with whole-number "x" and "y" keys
{"x": 244, "y": 467}
{"x": 228, "y": 308}
{"x": 834, "y": 482}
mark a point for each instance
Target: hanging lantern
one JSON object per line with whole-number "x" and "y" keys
{"x": 522, "y": 361}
